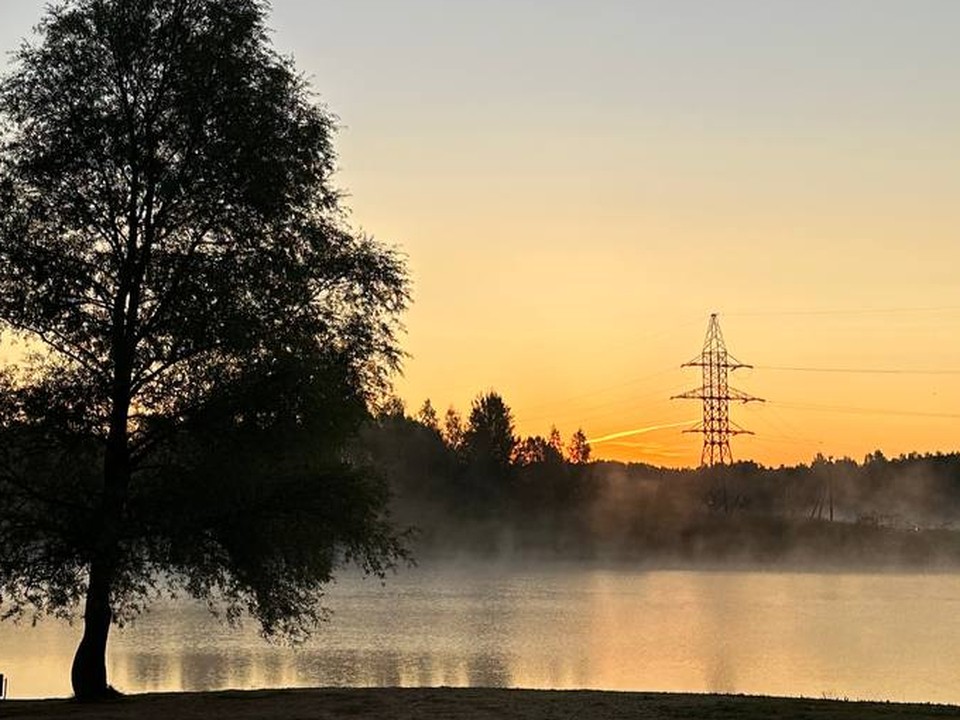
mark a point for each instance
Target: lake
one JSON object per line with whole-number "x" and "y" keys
{"x": 861, "y": 636}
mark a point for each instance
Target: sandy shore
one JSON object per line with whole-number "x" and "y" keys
{"x": 468, "y": 704}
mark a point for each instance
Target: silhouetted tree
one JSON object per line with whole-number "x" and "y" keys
{"x": 555, "y": 440}
{"x": 427, "y": 416}
{"x": 488, "y": 445}
{"x": 464, "y": 502}
{"x": 210, "y": 330}
{"x": 392, "y": 407}
{"x": 453, "y": 431}
{"x": 418, "y": 464}
{"x": 489, "y": 435}
{"x": 535, "y": 449}
{"x": 578, "y": 451}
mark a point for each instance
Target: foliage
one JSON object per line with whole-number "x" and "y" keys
{"x": 489, "y": 437}
{"x": 883, "y": 512}
{"x": 453, "y": 431}
{"x": 555, "y": 440}
{"x": 578, "y": 451}
{"x": 535, "y": 449}
{"x": 427, "y": 416}
{"x": 209, "y": 332}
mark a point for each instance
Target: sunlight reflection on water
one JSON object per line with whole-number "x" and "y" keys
{"x": 883, "y": 636}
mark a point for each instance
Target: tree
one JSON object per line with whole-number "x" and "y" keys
{"x": 556, "y": 442}
{"x": 392, "y": 407}
{"x": 487, "y": 453}
{"x": 453, "y": 431}
{"x": 534, "y": 450}
{"x": 578, "y": 451}
{"x": 489, "y": 435}
{"x": 208, "y": 331}
{"x": 427, "y": 416}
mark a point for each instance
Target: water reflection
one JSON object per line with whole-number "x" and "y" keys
{"x": 862, "y": 636}
{"x": 198, "y": 671}
{"x": 150, "y": 669}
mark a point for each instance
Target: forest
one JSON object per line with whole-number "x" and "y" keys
{"x": 472, "y": 486}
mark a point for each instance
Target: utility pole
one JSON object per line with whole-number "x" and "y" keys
{"x": 715, "y": 393}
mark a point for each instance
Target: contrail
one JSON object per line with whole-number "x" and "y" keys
{"x": 638, "y": 431}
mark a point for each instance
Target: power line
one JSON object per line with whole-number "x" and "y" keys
{"x": 865, "y": 411}
{"x": 773, "y": 416}
{"x": 595, "y": 410}
{"x": 859, "y": 371}
{"x": 851, "y": 311}
{"x": 598, "y": 391}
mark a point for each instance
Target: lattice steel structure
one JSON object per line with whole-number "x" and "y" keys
{"x": 716, "y": 394}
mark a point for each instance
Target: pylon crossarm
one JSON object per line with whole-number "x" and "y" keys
{"x": 740, "y": 396}
{"x": 723, "y": 364}
{"x": 689, "y": 395}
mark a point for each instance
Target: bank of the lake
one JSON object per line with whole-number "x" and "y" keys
{"x": 463, "y": 703}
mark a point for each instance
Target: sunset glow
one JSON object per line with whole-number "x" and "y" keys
{"x": 578, "y": 189}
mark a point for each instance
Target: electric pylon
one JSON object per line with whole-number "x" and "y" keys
{"x": 716, "y": 394}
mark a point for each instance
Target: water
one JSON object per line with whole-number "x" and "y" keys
{"x": 863, "y": 636}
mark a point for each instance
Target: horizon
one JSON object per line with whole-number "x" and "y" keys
{"x": 608, "y": 177}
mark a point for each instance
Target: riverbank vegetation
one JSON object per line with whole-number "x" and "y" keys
{"x": 474, "y": 486}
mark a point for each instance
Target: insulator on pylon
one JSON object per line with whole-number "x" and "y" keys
{"x": 716, "y": 394}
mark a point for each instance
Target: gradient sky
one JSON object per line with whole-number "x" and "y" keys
{"x": 579, "y": 185}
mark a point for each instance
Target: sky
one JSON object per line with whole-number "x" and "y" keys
{"x": 578, "y": 186}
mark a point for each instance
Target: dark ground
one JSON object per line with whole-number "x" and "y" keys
{"x": 469, "y": 704}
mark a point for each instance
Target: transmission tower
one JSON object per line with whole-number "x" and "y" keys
{"x": 716, "y": 394}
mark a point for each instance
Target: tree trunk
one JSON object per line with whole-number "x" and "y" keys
{"x": 89, "y": 672}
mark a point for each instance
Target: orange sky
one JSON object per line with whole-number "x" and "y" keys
{"x": 577, "y": 190}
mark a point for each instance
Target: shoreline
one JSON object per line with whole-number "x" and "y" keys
{"x": 466, "y": 703}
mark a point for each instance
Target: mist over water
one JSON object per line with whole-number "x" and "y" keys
{"x": 828, "y": 580}
{"x": 496, "y": 624}
{"x": 879, "y": 513}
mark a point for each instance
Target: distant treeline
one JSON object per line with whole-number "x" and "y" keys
{"x": 474, "y": 486}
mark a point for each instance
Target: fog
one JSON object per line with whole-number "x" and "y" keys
{"x": 832, "y": 513}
